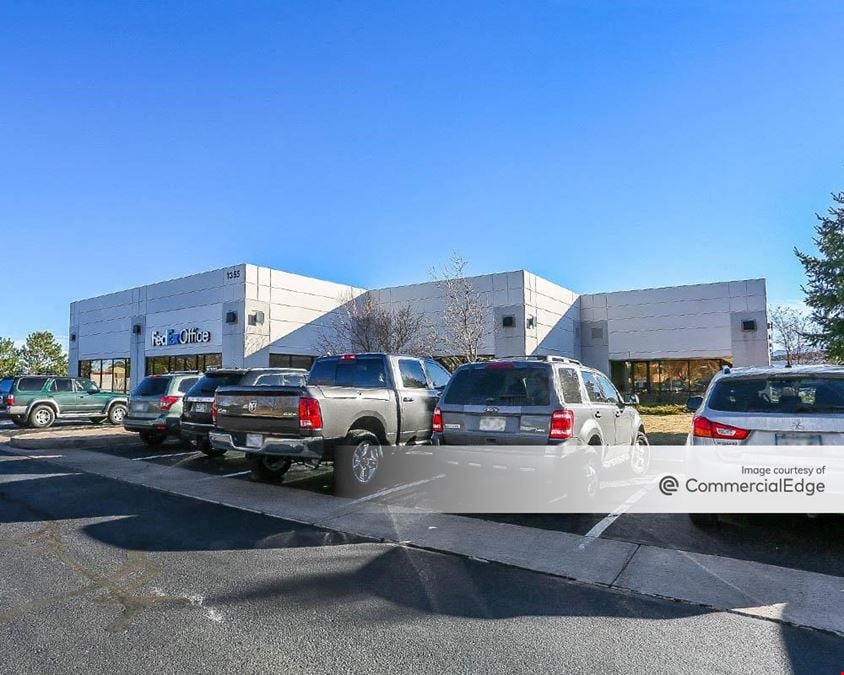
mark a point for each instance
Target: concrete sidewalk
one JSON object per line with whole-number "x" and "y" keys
{"x": 766, "y": 591}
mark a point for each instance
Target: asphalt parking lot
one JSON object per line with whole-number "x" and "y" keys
{"x": 792, "y": 541}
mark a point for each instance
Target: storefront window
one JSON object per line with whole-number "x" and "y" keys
{"x": 291, "y": 361}
{"x": 107, "y": 374}
{"x": 668, "y": 380}
{"x": 158, "y": 365}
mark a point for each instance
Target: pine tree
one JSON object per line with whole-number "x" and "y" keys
{"x": 9, "y": 358}
{"x": 825, "y": 286}
{"x": 42, "y": 355}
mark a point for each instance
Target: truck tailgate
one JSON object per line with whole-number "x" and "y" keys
{"x": 269, "y": 410}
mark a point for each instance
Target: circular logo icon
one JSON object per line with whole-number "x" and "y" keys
{"x": 668, "y": 485}
{"x": 252, "y": 406}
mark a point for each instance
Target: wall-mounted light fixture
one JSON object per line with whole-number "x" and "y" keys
{"x": 531, "y": 322}
{"x": 136, "y": 329}
{"x": 256, "y": 319}
{"x": 73, "y": 337}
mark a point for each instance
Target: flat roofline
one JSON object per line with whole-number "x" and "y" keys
{"x": 662, "y": 288}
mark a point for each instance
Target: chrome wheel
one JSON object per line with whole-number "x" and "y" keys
{"x": 42, "y": 417}
{"x": 117, "y": 414}
{"x": 365, "y": 460}
{"x": 640, "y": 455}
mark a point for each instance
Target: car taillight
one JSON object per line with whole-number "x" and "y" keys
{"x": 437, "y": 422}
{"x": 705, "y": 428}
{"x": 310, "y": 416}
{"x": 10, "y": 399}
{"x": 562, "y": 424}
{"x": 166, "y": 402}
{"x": 214, "y": 411}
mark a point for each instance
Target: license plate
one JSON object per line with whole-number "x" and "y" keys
{"x": 254, "y": 441}
{"x": 797, "y": 439}
{"x": 201, "y": 407}
{"x": 139, "y": 407}
{"x": 492, "y": 424}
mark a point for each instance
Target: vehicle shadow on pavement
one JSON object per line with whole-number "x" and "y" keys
{"x": 135, "y": 518}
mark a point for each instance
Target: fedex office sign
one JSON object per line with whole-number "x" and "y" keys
{"x": 183, "y": 336}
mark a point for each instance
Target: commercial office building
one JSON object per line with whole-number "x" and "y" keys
{"x": 662, "y": 342}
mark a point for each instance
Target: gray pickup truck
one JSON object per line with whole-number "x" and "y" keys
{"x": 352, "y": 408}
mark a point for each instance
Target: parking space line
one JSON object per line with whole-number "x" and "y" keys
{"x": 172, "y": 454}
{"x": 397, "y": 488}
{"x": 18, "y": 458}
{"x": 599, "y": 527}
{"x": 227, "y": 475}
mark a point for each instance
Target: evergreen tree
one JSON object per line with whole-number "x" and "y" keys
{"x": 9, "y": 358}
{"x": 825, "y": 286}
{"x": 42, "y": 355}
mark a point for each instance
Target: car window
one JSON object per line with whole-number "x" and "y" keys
{"x": 349, "y": 372}
{"x": 31, "y": 383}
{"x": 207, "y": 385}
{"x": 500, "y": 384}
{"x": 439, "y": 375}
{"x": 62, "y": 384}
{"x": 152, "y": 386}
{"x": 280, "y": 379}
{"x": 779, "y": 395}
{"x": 6, "y": 385}
{"x": 593, "y": 388}
{"x": 570, "y": 385}
{"x": 84, "y": 384}
{"x": 412, "y": 374}
{"x": 609, "y": 390}
{"x": 187, "y": 383}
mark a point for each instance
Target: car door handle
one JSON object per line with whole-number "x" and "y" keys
{"x": 407, "y": 399}
{"x": 618, "y": 413}
{"x": 597, "y": 413}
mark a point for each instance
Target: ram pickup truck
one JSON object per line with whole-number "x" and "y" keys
{"x": 356, "y": 410}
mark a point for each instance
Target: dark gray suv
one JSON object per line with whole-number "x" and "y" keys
{"x": 542, "y": 402}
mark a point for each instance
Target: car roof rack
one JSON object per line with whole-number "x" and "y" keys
{"x": 548, "y": 358}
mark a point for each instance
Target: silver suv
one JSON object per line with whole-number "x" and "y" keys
{"x": 796, "y": 406}
{"x": 545, "y": 402}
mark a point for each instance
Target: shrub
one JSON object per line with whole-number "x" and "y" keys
{"x": 662, "y": 409}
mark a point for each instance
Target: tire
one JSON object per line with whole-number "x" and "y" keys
{"x": 268, "y": 469}
{"x": 640, "y": 455}
{"x": 358, "y": 464}
{"x": 19, "y": 420}
{"x": 704, "y": 520}
{"x": 587, "y": 477}
{"x": 206, "y": 448}
{"x": 116, "y": 414}
{"x": 42, "y": 417}
{"x": 97, "y": 420}
{"x": 152, "y": 438}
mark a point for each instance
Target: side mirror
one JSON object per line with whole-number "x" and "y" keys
{"x": 631, "y": 399}
{"x": 694, "y": 403}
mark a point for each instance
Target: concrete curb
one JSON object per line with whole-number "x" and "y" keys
{"x": 796, "y": 597}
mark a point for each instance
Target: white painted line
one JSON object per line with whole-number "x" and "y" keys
{"x": 227, "y": 475}
{"x": 397, "y": 488}
{"x": 172, "y": 454}
{"x": 18, "y": 458}
{"x": 605, "y": 522}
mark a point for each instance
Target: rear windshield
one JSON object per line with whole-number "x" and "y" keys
{"x": 517, "y": 386}
{"x": 779, "y": 395}
{"x": 31, "y": 383}
{"x": 208, "y": 384}
{"x": 152, "y": 386}
{"x": 354, "y": 372}
{"x": 6, "y": 385}
{"x": 280, "y": 379}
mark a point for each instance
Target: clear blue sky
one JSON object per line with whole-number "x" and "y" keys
{"x": 603, "y": 145}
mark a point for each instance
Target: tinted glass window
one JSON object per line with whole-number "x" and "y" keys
{"x": 779, "y": 395}
{"x": 570, "y": 385}
{"x": 31, "y": 383}
{"x": 187, "y": 383}
{"x": 358, "y": 372}
{"x": 6, "y": 385}
{"x": 152, "y": 386}
{"x": 439, "y": 375}
{"x": 280, "y": 379}
{"x": 85, "y": 384}
{"x": 64, "y": 384}
{"x": 412, "y": 374}
{"x": 593, "y": 389}
{"x": 513, "y": 385}
{"x": 206, "y": 386}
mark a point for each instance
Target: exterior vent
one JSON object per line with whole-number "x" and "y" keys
{"x": 136, "y": 329}
{"x": 748, "y": 325}
{"x": 597, "y": 333}
{"x": 231, "y": 317}
{"x": 508, "y": 321}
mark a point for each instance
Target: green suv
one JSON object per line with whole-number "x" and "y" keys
{"x": 155, "y": 406}
{"x": 38, "y": 400}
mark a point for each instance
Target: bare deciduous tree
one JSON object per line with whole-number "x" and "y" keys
{"x": 792, "y": 329}
{"x": 362, "y": 324}
{"x": 464, "y": 319}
